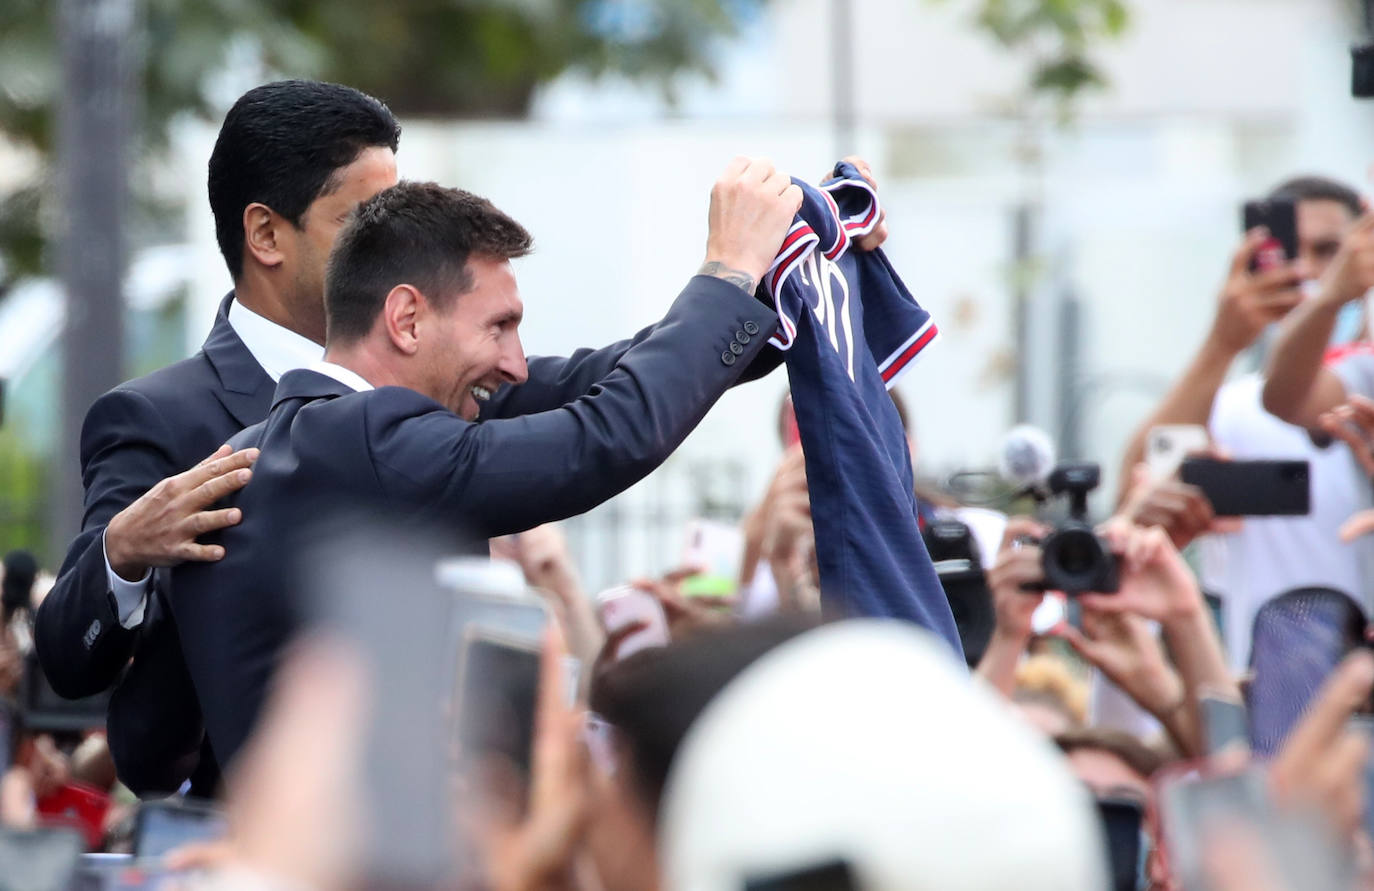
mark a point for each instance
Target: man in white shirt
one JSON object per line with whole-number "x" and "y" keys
{"x": 1262, "y": 557}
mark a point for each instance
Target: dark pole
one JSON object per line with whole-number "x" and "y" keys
{"x": 93, "y": 130}
{"x": 842, "y": 76}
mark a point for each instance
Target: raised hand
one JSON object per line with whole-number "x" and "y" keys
{"x": 1015, "y": 577}
{"x": 1155, "y": 582}
{"x": 1351, "y": 273}
{"x": 873, "y": 240}
{"x": 1250, "y": 301}
{"x": 752, "y": 206}
{"x": 1321, "y": 764}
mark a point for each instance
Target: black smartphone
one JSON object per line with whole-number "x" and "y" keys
{"x": 39, "y": 859}
{"x": 1251, "y": 488}
{"x": 1280, "y": 217}
{"x": 44, "y": 711}
{"x": 162, "y": 826}
{"x": 1122, "y": 819}
{"x": 832, "y": 875}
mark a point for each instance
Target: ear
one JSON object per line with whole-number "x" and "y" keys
{"x": 261, "y": 231}
{"x": 401, "y": 314}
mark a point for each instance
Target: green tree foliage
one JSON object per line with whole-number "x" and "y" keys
{"x": 450, "y": 58}
{"x": 1056, "y": 38}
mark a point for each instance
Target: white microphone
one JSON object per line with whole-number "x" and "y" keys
{"x": 1027, "y": 457}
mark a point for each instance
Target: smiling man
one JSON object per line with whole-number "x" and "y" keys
{"x": 423, "y": 313}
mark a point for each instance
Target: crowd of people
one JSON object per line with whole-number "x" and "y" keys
{"x": 1201, "y": 721}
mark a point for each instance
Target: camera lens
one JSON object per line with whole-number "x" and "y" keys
{"x": 1073, "y": 560}
{"x": 1078, "y": 554}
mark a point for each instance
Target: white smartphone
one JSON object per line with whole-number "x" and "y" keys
{"x": 623, "y": 606}
{"x": 716, "y": 549}
{"x": 1168, "y": 444}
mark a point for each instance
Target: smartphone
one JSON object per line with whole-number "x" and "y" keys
{"x": 625, "y": 605}
{"x": 1167, "y": 445}
{"x": 716, "y": 549}
{"x": 1191, "y": 809}
{"x": 1225, "y": 723}
{"x": 44, "y": 711}
{"x": 1365, "y": 725}
{"x": 1297, "y": 845}
{"x": 1252, "y": 488}
{"x": 498, "y": 688}
{"x": 384, "y": 589}
{"x": 1122, "y": 826}
{"x": 77, "y": 805}
{"x": 1280, "y": 217}
{"x": 832, "y": 875}
{"x": 162, "y": 826}
{"x": 39, "y": 859}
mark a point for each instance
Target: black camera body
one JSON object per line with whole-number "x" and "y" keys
{"x": 1362, "y": 59}
{"x": 1362, "y": 71}
{"x": 1075, "y": 559}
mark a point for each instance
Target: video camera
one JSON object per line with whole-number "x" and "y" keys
{"x": 1076, "y": 559}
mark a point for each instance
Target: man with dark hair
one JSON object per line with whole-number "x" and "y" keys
{"x": 1302, "y": 381}
{"x": 1249, "y": 565}
{"x": 423, "y": 318}
{"x": 291, "y": 161}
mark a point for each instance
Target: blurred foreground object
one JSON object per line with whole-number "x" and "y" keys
{"x": 825, "y": 750}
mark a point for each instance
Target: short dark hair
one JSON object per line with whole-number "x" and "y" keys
{"x": 281, "y": 144}
{"x": 1319, "y": 188}
{"x": 420, "y": 234}
{"x": 653, "y": 697}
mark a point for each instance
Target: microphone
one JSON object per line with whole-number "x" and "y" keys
{"x": 1027, "y": 459}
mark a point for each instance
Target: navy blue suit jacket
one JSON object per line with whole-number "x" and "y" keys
{"x": 134, "y": 436}
{"x": 579, "y": 431}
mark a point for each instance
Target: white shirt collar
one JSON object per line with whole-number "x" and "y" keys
{"x": 276, "y": 349}
{"x": 345, "y": 376}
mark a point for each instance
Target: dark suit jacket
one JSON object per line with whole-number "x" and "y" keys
{"x": 135, "y": 435}
{"x": 325, "y": 448}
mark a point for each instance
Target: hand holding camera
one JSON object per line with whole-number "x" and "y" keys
{"x": 1016, "y": 572}
{"x": 1155, "y": 582}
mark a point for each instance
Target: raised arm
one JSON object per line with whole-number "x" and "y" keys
{"x": 1248, "y": 302}
{"x": 505, "y": 476}
{"x": 1298, "y": 388}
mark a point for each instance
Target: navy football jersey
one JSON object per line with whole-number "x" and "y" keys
{"x": 850, "y": 328}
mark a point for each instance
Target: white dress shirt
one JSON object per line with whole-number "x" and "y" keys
{"x": 277, "y": 350}
{"x": 345, "y": 376}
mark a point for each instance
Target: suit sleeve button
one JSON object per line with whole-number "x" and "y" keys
{"x": 741, "y": 337}
{"x": 728, "y": 358}
{"x": 751, "y": 328}
{"x": 736, "y": 349}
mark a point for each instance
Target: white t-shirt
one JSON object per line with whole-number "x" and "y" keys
{"x": 1271, "y": 555}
